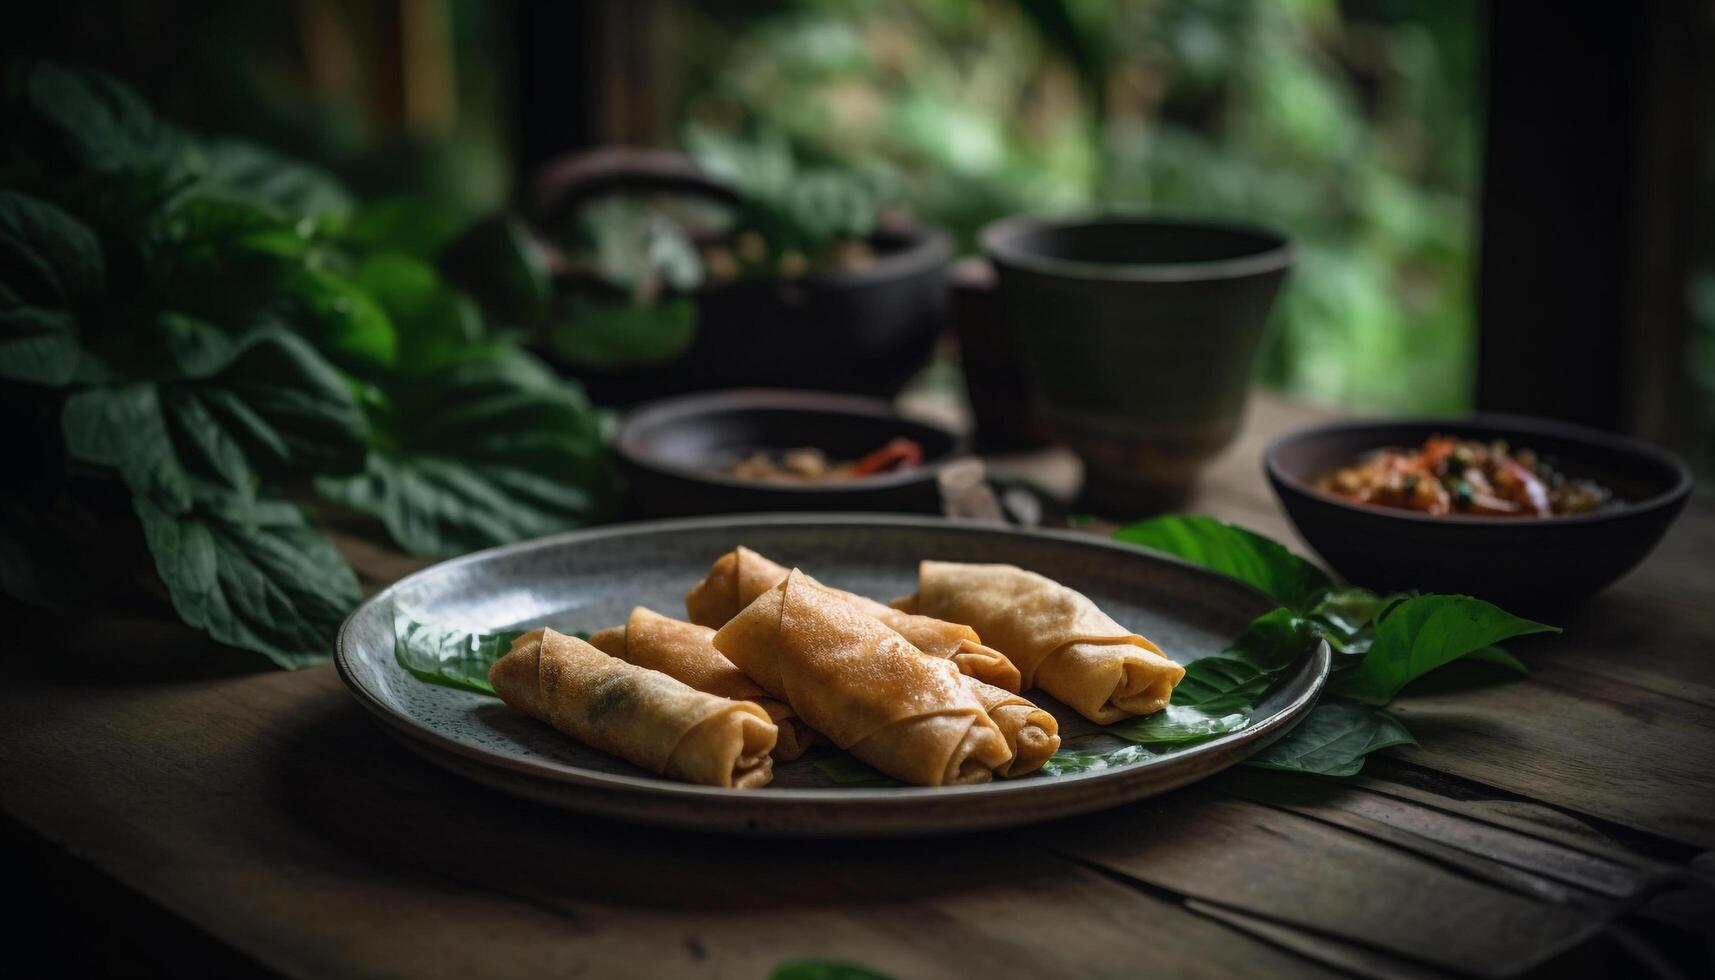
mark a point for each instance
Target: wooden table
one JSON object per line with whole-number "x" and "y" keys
{"x": 258, "y": 821}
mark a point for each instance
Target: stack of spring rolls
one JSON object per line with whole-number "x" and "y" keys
{"x": 926, "y": 689}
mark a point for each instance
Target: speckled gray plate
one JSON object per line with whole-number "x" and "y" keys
{"x": 590, "y": 579}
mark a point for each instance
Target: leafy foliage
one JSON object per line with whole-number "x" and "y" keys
{"x": 487, "y": 449}
{"x": 201, "y": 325}
{"x": 1383, "y": 642}
{"x": 1234, "y": 552}
{"x": 1333, "y": 740}
{"x": 1351, "y": 127}
{"x": 1425, "y": 632}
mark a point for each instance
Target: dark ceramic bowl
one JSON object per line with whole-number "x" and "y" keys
{"x": 1137, "y": 337}
{"x": 1522, "y": 562}
{"x": 862, "y": 331}
{"x": 674, "y": 452}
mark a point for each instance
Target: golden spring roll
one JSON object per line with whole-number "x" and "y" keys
{"x": 643, "y": 716}
{"x": 1056, "y": 637}
{"x": 740, "y": 575}
{"x": 686, "y": 652}
{"x": 1031, "y": 733}
{"x": 864, "y": 686}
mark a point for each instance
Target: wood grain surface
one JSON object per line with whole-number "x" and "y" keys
{"x": 1557, "y": 824}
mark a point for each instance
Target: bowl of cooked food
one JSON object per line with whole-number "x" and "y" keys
{"x": 1517, "y": 510}
{"x": 763, "y": 449}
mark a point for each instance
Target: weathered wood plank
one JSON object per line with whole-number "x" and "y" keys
{"x": 1325, "y": 879}
{"x": 1595, "y": 745}
{"x": 270, "y": 811}
{"x": 1508, "y": 858}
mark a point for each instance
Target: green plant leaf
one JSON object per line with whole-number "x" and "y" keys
{"x": 288, "y": 189}
{"x": 1333, "y": 740}
{"x": 1498, "y": 657}
{"x": 286, "y": 407}
{"x": 1237, "y": 677}
{"x": 125, "y": 428}
{"x": 490, "y": 450}
{"x": 47, "y": 257}
{"x": 1347, "y": 617}
{"x": 345, "y": 321}
{"x": 1236, "y": 552}
{"x": 37, "y": 346}
{"x": 625, "y": 335}
{"x": 815, "y": 969}
{"x": 449, "y": 657}
{"x": 416, "y": 226}
{"x": 1422, "y": 633}
{"x": 432, "y": 322}
{"x": 1178, "y": 724}
{"x": 254, "y": 576}
{"x": 1068, "y": 762}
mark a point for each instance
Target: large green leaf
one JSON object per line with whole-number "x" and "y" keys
{"x": 1422, "y": 633}
{"x": 285, "y": 406}
{"x": 288, "y": 189}
{"x": 125, "y": 428}
{"x": 276, "y": 408}
{"x": 1237, "y": 677}
{"x": 37, "y": 346}
{"x": 1177, "y": 724}
{"x": 345, "y": 321}
{"x": 433, "y": 323}
{"x": 449, "y": 657}
{"x": 1236, "y": 552}
{"x": 1333, "y": 740}
{"x": 47, "y": 257}
{"x": 50, "y": 264}
{"x": 255, "y": 576}
{"x": 490, "y": 450}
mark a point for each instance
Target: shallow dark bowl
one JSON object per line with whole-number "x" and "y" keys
{"x": 672, "y": 452}
{"x": 1527, "y": 563}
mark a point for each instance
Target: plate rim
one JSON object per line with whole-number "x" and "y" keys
{"x": 1319, "y": 663}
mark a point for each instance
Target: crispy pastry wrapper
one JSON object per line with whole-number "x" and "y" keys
{"x": 1056, "y": 637}
{"x": 640, "y": 715}
{"x": 686, "y": 652}
{"x": 740, "y": 575}
{"x": 864, "y": 686}
{"x": 1031, "y": 733}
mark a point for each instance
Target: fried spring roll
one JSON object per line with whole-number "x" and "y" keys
{"x": 864, "y": 686}
{"x": 1031, "y": 733}
{"x": 740, "y": 575}
{"x": 686, "y": 652}
{"x": 1056, "y": 637}
{"x": 643, "y": 716}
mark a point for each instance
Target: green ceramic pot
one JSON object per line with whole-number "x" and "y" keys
{"x": 1137, "y": 338}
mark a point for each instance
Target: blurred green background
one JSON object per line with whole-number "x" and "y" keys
{"x": 1355, "y": 127}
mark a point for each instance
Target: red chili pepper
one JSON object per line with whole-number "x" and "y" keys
{"x": 899, "y": 454}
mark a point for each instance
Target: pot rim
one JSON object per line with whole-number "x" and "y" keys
{"x": 1274, "y": 250}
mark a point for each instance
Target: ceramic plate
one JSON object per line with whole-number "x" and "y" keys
{"x": 590, "y": 579}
